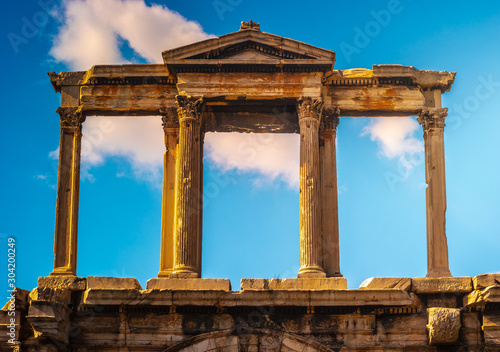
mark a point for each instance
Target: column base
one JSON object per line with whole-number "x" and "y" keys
{"x": 301, "y": 284}
{"x": 191, "y": 284}
{"x": 184, "y": 272}
{"x": 439, "y": 273}
{"x": 334, "y": 275}
{"x": 62, "y": 272}
{"x": 312, "y": 271}
{"x": 165, "y": 273}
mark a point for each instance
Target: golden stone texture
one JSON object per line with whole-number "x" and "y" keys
{"x": 331, "y": 283}
{"x": 441, "y": 285}
{"x": 253, "y": 82}
{"x": 402, "y": 283}
{"x": 444, "y": 325}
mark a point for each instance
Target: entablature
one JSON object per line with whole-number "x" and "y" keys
{"x": 392, "y": 75}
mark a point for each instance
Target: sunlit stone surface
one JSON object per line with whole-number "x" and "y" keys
{"x": 251, "y": 81}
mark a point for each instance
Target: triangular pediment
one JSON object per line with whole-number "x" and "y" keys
{"x": 248, "y": 44}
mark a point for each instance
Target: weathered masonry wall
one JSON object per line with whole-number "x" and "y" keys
{"x": 384, "y": 314}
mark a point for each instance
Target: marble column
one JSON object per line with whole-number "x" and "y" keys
{"x": 432, "y": 121}
{"x": 200, "y": 204}
{"x": 170, "y": 122}
{"x": 187, "y": 189}
{"x": 309, "y": 113}
{"x": 329, "y": 198}
{"x": 68, "y": 188}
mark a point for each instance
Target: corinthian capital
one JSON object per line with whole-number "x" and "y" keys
{"x": 71, "y": 117}
{"x": 432, "y": 118}
{"x": 308, "y": 107}
{"x": 169, "y": 117}
{"x": 330, "y": 119}
{"x": 188, "y": 106}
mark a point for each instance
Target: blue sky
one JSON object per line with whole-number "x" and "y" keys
{"x": 251, "y": 221}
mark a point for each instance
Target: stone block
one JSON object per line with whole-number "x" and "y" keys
{"x": 482, "y": 297}
{"x": 113, "y": 283}
{"x": 485, "y": 280}
{"x": 189, "y": 284}
{"x": 112, "y": 297}
{"x": 49, "y": 320}
{"x": 21, "y": 299}
{"x": 441, "y": 284}
{"x": 307, "y": 284}
{"x": 443, "y": 300}
{"x": 51, "y": 294}
{"x": 491, "y": 328}
{"x": 72, "y": 283}
{"x": 403, "y": 283}
{"x": 443, "y": 325}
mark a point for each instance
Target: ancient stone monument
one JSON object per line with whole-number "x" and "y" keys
{"x": 251, "y": 81}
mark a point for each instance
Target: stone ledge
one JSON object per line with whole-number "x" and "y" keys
{"x": 117, "y": 283}
{"x": 189, "y": 284}
{"x": 309, "y": 284}
{"x": 116, "y": 297}
{"x": 402, "y": 283}
{"x": 441, "y": 284}
{"x": 299, "y": 298}
{"x": 485, "y": 280}
{"x": 72, "y": 283}
{"x": 327, "y": 298}
{"x": 332, "y": 298}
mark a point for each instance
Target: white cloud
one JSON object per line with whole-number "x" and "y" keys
{"x": 93, "y": 30}
{"x": 46, "y": 179}
{"x": 137, "y": 139}
{"x": 275, "y": 156}
{"x": 396, "y": 137}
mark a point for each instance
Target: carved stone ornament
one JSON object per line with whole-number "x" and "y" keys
{"x": 169, "y": 117}
{"x": 330, "y": 119}
{"x": 250, "y": 25}
{"x": 71, "y": 117}
{"x": 189, "y": 106}
{"x": 308, "y": 107}
{"x": 431, "y": 118}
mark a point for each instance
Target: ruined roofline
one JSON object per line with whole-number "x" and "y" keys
{"x": 425, "y": 79}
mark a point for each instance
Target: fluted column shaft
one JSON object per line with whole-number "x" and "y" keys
{"x": 329, "y": 198}
{"x": 309, "y": 113}
{"x": 170, "y": 122}
{"x": 187, "y": 189}
{"x": 68, "y": 189}
{"x": 432, "y": 121}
